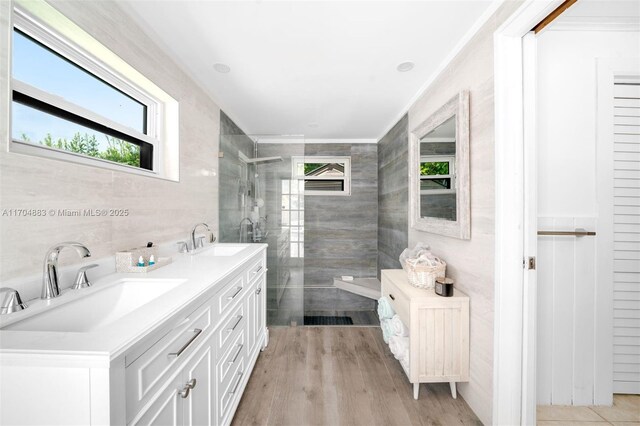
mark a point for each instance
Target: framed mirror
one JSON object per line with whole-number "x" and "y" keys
{"x": 439, "y": 171}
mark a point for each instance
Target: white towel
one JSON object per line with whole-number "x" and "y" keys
{"x": 405, "y": 364}
{"x": 385, "y": 325}
{"x": 399, "y": 347}
{"x": 398, "y": 327}
{"x": 384, "y": 308}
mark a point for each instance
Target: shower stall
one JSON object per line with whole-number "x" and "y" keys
{"x": 262, "y": 201}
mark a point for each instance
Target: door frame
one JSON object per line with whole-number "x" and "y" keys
{"x": 514, "y": 320}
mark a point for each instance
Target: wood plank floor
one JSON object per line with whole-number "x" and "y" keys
{"x": 340, "y": 376}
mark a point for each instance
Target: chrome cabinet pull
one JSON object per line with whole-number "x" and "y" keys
{"x": 235, "y": 325}
{"x": 233, "y": 296}
{"x": 235, "y": 357}
{"x": 257, "y": 270}
{"x": 235, "y": 388}
{"x": 259, "y": 290}
{"x": 196, "y": 332}
{"x": 187, "y": 388}
{"x": 391, "y": 296}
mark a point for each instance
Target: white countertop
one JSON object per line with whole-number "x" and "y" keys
{"x": 97, "y": 348}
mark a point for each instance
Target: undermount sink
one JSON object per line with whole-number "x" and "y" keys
{"x": 101, "y": 307}
{"x": 223, "y": 250}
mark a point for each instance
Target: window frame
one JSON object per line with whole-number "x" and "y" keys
{"x": 151, "y": 142}
{"x": 451, "y": 159}
{"x": 295, "y": 161}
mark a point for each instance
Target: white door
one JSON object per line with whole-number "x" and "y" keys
{"x": 575, "y": 194}
{"x": 626, "y": 236}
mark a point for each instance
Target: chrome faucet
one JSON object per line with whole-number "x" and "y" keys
{"x": 50, "y": 287}
{"x": 194, "y": 244}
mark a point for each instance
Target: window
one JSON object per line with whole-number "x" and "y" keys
{"x": 293, "y": 214}
{"x": 323, "y": 175}
{"x": 70, "y": 104}
{"x": 437, "y": 174}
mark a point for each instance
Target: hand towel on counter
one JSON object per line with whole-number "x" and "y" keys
{"x": 398, "y": 327}
{"x": 399, "y": 347}
{"x": 384, "y": 308}
{"x": 387, "y": 332}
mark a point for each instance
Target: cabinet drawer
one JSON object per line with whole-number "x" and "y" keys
{"x": 399, "y": 300}
{"x": 234, "y": 354}
{"x": 229, "y": 391}
{"x": 230, "y": 294}
{"x": 144, "y": 375}
{"x": 231, "y": 327}
{"x": 255, "y": 269}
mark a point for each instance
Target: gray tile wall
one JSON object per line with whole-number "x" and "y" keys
{"x": 159, "y": 210}
{"x": 393, "y": 195}
{"x": 341, "y": 236}
{"x": 235, "y": 186}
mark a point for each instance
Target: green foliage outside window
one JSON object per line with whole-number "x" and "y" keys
{"x": 309, "y": 167}
{"x": 434, "y": 168}
{"x": 117, "y": 150}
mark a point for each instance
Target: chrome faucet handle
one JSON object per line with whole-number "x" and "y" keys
{"x": 10, "y": 301}
{"x": 81, "y": 278}
{"x": 212, "y": 238}
{"x": 183, "y": 247}
{"x": 192, "y": 236}
{"x": 200, "y": 241}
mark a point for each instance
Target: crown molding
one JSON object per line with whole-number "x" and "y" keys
{"x": 596, "y": 23}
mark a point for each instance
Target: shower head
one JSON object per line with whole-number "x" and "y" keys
{"x": 263, "y": 160}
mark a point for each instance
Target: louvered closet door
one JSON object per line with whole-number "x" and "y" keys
{"x": 626, "y": 340}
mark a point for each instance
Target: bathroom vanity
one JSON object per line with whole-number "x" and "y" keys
{"x": 184, "y": 356}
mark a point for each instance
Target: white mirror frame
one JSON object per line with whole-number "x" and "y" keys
{"x": 461, "y": 227}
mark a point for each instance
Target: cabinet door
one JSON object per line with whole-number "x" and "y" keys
{"x": 199, "y": 373}
{"x": 188, "y": 399}
{"x": 166, "y": 409}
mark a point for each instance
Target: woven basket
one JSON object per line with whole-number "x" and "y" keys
{"x": 423, "y": 276}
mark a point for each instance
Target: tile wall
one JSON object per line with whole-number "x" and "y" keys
{"x": 159, "y": 210}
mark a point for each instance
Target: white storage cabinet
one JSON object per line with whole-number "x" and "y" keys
{"x": 438, "y": 331}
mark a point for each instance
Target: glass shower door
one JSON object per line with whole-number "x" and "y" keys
{"x": 259, "y": 202}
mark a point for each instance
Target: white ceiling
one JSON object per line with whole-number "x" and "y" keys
{"x": 322, "y": 69}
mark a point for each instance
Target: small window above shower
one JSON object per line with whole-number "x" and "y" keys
{"x": 323, "y": 175}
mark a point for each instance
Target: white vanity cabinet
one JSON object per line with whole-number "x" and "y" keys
{"x": 182, "y": 360}
{"x": 198, "y": 377}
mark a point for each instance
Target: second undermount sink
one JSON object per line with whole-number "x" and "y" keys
{"x": 99, "y": 307}
{"x": 223, "y": 250}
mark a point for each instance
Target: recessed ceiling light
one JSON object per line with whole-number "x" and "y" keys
{"x": 222, "y": 68}
{"x": 405, "y": 66}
